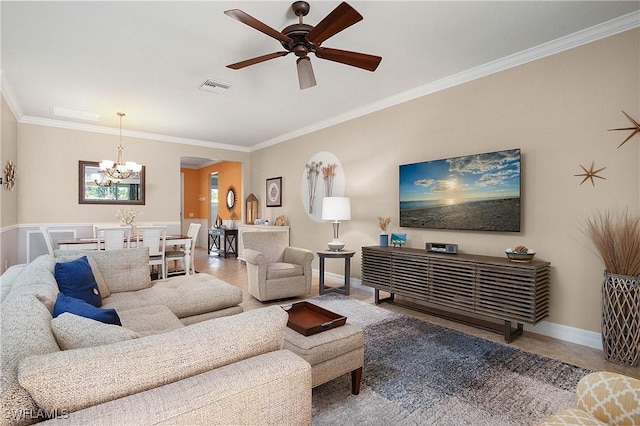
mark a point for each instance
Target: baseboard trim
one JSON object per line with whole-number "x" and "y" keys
{"x": 579, "y": 336}
{"x": 575, "y": 335}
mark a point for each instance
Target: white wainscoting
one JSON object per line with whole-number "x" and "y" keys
{"x": 30, "y": 242}
{"x": 36, "y": 245}
{"x": 9, "y": 243}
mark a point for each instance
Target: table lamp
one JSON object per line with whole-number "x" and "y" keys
{"x": 336, "y": 209}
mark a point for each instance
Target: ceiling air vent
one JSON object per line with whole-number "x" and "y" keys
{"x": 215, "y": 86}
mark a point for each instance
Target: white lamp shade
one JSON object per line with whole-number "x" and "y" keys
{"x": 336, "y": 208}
{"x": 133, "y": 166}
{"x": 106, "y": 164}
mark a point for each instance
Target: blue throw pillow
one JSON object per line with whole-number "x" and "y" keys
{"x": 76, "y": 279}
{"x": 81, "y": 308}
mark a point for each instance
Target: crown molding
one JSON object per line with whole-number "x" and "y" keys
{"x": 597, "y": 32}
{"x": 128, "y": 133}
{"x": 579, "y": 38}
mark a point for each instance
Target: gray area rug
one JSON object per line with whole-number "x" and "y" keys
{"x": 417, "y": 373}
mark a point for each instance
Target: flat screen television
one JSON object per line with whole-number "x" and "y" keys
{"x": 479, "y": 192}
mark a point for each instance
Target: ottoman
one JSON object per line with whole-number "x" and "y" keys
{"x": 331, "y": 353}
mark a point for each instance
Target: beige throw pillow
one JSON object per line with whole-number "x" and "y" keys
{"x": 74, "y": 332}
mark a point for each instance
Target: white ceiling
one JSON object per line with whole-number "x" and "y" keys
{"x": 149, "y": 58}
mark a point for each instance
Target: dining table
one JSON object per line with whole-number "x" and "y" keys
{"x": 92, "y": 244}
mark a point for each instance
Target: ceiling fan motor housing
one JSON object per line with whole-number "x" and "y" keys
{"x": 299, "y": 45}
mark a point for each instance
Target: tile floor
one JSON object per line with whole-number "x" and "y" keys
{"x": 234, "y": 272}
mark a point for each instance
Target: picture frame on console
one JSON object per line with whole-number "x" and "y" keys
{"x": 398, "y": 239}
{"x": 274, "y": 192}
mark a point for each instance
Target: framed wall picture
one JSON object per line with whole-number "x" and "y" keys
{"x": 274, "y": 192}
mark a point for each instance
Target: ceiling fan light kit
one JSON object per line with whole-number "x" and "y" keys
{"x": 303, "y": 39}
{"x": 306, "y": 78}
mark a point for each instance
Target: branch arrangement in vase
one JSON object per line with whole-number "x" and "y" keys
{"x": 383, "y": 223}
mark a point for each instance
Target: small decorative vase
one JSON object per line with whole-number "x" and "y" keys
{"x": 134, "y": 229}
{"x": 621, "y": 319}
{"x": 384, "y": 240}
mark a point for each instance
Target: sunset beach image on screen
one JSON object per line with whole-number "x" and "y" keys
{"x": 473, "y": 192}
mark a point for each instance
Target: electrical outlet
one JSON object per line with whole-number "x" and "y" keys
{"x": 190, "y": 214}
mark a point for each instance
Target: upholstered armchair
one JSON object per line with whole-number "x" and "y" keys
{"x": 604, "y": 398}
{"x": 274, "y": 269}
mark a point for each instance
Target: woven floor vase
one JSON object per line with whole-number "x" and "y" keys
{"x": 621, "y": 319}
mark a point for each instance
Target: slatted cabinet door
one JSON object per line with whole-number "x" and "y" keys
{"x": 506, "y": 292}
{"x": 410, "y": 275}
{"x": 452, "y": 283}
{"x": 378, "y": 272}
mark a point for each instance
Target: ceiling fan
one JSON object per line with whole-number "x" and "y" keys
{"x": 302, "y": 39}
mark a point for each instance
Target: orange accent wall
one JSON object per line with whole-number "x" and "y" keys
{"x": 191, "y": 192}
{"x": 196, "y": 184}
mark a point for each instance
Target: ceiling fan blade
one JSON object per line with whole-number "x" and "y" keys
{"x": 306, "y": 78}
{"x": 257, "y": 60}
{"x": 249, "y": 20}
{"x": 355, "y": 59}
{"x": 340, "y": 18}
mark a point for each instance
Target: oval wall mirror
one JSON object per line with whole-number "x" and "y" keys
{"x": 231, "y": 198}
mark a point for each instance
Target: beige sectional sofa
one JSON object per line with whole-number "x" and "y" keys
{"x": 185, "y": 354}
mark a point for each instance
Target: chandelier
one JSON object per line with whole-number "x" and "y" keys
{"x": 119, "y": 170}
{"x": 101, "y": 179}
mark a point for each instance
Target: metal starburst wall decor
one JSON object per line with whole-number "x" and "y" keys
{"x": 590, "y": 174}
{"x": 635, "y": 129}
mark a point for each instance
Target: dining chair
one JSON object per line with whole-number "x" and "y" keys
{"x": 139, "y": 224}
{"x": 102, "y": 225}
{"x": 178, "y": 255}
{"x": 155, "y": 238}
{"x": 113, "y": 238}
{"x": 47, "y": 239}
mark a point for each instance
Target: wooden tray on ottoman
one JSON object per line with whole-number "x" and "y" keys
{"x": 307, "y": 318}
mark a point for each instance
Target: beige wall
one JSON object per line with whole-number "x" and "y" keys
{"x": 8, "y": 153}
{"x": 8, "y": 199}
{"x": 48, "y": 190}
{"x": 557, "y": 110}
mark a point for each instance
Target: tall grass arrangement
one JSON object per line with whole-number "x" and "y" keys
{"x": 616, "y": 237}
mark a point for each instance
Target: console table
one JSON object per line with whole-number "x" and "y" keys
{"x": 223, "y": 242}
{"x": 484, "y": 286}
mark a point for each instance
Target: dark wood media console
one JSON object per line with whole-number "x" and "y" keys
{"x": 484, "y": 286}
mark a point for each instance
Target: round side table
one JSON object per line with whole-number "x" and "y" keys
{"x": 341, "y": 254}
